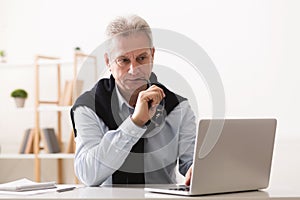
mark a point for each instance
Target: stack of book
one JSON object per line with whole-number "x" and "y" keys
{"x": 49, "y": 139}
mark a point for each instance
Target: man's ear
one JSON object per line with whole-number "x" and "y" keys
{"x": 152, "y": 52}
{"x": 106, "y": 60}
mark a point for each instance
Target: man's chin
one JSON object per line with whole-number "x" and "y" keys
{"x": 136, "y": 87}
{"x": 134, "y": 84}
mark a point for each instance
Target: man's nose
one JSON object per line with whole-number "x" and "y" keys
{"x": 133, "y": 66}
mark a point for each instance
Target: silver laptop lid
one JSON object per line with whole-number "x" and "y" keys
{"x": 232, "y": 155}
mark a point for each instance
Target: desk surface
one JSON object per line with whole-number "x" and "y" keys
{"x": 121, "y": 193}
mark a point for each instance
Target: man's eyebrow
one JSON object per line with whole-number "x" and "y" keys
{"x": 141, "y": 54}
{"x": 122, "y": 56}
{"x": 144, "y": 53}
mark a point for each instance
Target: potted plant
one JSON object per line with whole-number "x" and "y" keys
{"x": 2, "y": 56}
{"x": 19, "y": 95}
{"x": 77, "y": 50}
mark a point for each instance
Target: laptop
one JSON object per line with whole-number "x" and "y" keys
{"x": 231, "y": 155}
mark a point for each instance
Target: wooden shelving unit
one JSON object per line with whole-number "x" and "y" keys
{"x": 37, "y": 110}
{"x": 55, "y": 106}
{"x": 44, "y": 106}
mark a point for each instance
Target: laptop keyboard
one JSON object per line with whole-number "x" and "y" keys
{"x": 181, "y": 188}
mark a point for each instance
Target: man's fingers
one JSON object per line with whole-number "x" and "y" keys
{"x": 188, "y": 176}
{"x": 146, "y": 104}
{"x": 155, "y": 98}
{"x": 154, "y": 95}
{"x": 157, "y": 89}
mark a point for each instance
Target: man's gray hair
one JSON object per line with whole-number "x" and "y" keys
{"x": 127, "y": 25}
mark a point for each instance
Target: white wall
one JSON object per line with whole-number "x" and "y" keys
{"x": 253, "y": 43}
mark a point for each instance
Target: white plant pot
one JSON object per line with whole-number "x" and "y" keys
{"x": 20, "y": 102}
{"x": 2, "y": 59}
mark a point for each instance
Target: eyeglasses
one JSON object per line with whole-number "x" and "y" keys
{"x": 142, "y": 59}
{"x": 160, "y": 114}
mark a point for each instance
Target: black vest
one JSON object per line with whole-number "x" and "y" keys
{"x": 102, "y": 99}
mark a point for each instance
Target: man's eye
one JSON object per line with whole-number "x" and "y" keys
{"x": 123, "y": 60}
{"x": 141, "y": 58}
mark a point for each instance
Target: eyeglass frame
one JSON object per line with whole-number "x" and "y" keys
{"x": 128, "y": 64}
{"x": 159, "y": 115}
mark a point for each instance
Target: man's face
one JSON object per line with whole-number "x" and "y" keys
{"x": 130, "y": 61}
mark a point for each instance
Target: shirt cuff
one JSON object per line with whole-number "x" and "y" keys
{"x": 130, "y": 128}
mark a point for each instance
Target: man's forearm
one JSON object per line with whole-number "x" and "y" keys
{"x": 99, "y": 151}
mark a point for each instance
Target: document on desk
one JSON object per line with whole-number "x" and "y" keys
{"x": 25, "y": 187}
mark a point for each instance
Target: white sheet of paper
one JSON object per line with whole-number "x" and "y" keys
{"x": 24, "y": 184}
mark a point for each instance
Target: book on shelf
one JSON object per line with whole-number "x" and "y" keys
{"x": 50, "y": 141}
{"x": 66, "y": 96}
{"x": 77, "y": 89}
{"x": 70, "y": 92}
{"x": 27, "y": 142}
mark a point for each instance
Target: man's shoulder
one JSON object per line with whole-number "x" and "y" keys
{"x": 86, "y": 99}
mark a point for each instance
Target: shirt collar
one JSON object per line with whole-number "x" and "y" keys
{"x": 121, "y": 101}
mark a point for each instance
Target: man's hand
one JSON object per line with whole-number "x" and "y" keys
{"x": 188, "y": 176}
{"x": 146, "y": 104}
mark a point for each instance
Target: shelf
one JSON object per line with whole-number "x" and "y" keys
{"x": 41, "y": 63}
{"x": 47, "y": 108}
{"x": 55, "y": 62}
{"x": 42, "y": 156}
{"x": 12, "y": 65}
{"x": 54, "y": 108}
{"x": 56, "y": 155}
{"x": 16, "y": 156}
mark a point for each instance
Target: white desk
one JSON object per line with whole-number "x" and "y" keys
{"x": 121, "y": 193}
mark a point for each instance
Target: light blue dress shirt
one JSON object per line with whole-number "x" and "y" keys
{"x": 100, "y": 151}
